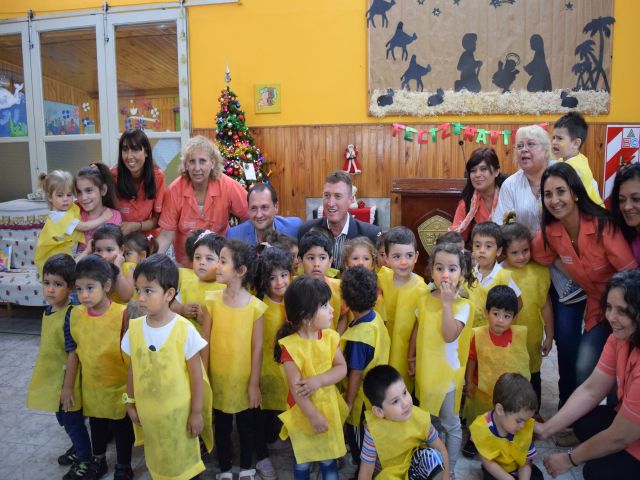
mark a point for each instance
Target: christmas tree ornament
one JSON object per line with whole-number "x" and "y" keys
{"x": 351, "y": 164}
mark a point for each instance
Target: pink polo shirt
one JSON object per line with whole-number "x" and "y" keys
{"x": 180, "y": 212}
{"x": 596, "y": 264}
{"x": 620, "y": 359}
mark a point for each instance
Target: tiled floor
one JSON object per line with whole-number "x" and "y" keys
{"x": 31, "y": 441}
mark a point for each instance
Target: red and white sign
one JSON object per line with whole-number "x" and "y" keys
{"x": 623, "y": 143}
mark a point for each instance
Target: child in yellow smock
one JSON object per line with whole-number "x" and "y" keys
{"x": 401, "y": 289}
{"x": 190, "y": 302}
{"x": 534, "y": 280}
{"x": 272, "y": 277}
{"x": 138, "y": 246}
{"x": 309, "y": 350}
{"x": 504, "y": 435}
{"x": 96, "y": 327}
{"x": 381, "y": 253}
{"x": 440, "y": 343}
{"x": 360, "y": 251}
{"x": 486, "y": 245}
{"x": 63, "y": 229}
{"x": 55, "y": 382}
{"x": 497, "y": 348}
{"x": 365, "y": 345}
{"x": 316, "y": 254}
{"x": 168, "y": 396}
{"x": 398, "y": 433}
{"x": 235, "y": 362}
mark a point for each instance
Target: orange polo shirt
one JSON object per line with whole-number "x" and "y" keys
{"x": 482, "y": 215}
{"x": 180, "y": 212}
{"x": 142, "y": 208}
{"x": 596, "y": 264}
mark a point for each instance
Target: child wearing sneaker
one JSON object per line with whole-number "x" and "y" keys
{"x": 168, "y": 397}
{"x": 55, "y": 383}
{"x": 398, "y": 434}
{"x": 504, "y": 435}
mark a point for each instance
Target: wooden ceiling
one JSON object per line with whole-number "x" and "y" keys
{"x": 146, "y": 59}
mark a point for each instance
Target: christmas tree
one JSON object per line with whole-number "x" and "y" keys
{"x": 243, "y": 161}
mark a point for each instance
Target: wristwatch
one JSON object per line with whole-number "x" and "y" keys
{"x": 127, "y": 399}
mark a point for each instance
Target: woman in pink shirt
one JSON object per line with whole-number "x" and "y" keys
{"x": 625, "y": 204}
{"x": 610, "y": 435}
{"x": 480, "y": 194}
{"x": 581, "y": 239}
{"x": 201, "y": 197}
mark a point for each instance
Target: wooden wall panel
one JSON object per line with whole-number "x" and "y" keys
{"x": 301, "y": 156}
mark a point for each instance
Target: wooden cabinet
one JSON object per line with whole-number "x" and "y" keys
{"x": 427, "y": 206}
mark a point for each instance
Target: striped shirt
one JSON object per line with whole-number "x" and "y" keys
{"x": 369, "y": 454}
{"x": 338, "y": 243}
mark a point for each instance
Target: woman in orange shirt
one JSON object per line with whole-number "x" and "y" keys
{"x": 586, "y": 243}
{"x": 139, "y": 184}
{"x": 480, "y": 194}
{"x": 201, "y": 197}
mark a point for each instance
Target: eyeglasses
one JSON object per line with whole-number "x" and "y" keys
{"x": 529, "y": 145}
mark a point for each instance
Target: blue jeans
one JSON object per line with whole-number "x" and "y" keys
{"x": 567, "y": 321}
{"x": 329, "y": 469}
{"x": 589, "y": 353}
{"x": 73, "y": 423}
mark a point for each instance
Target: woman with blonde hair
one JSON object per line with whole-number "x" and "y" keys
{"x": 201, "y": 197}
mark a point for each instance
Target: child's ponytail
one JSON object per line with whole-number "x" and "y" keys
{"x": 141, "y": 243}
{"x": 513, "y": 231}
{"x": 100, "y": 175}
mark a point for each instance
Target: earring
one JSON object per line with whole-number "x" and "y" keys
{"x": 576, "y": 199}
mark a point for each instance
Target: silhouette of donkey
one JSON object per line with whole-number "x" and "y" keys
{"x": 379, "y": 7}
{"x": 400, "y": 39}
{"x": 414, "y": 72}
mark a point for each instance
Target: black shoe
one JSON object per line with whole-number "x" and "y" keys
{"x": 78, "y": 470}
{"x": 68, "y": 457}
{"x": 123, "y": 472}
{"x": 469, "y": 450}
{"x": 97, "y": 469}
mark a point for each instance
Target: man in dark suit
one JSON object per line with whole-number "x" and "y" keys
{"x": 336, "y": 199}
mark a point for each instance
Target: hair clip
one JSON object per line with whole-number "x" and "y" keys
{"x": 204, "y": 234}
{"x": 149, "y": 238}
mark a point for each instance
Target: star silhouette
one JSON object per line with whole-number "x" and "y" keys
{"x": 568, "y": 6}
{"x": 456, "y": 2}
{"x": 421, "y": 2}
{"x": 436, "y": 12}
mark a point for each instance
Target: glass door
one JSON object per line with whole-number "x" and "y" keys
{"x": 16, "y": 119}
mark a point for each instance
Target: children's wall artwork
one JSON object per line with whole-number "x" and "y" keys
{"x": 475, "y": 57}
{"x": 61, "y": 118}
{"x": 267, "y": 98}
{"x": 13, "y": 111}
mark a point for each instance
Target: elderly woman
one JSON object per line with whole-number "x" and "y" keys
{"x": 202, "y": 197}
{"x": 521, "y": 191}
{"x": 611, "y": 436}
{"x": 139, "y": 184}
{"x": 591, "y": 249}
{"x": 480, "y": 194}
{"x": 625, "y": 205}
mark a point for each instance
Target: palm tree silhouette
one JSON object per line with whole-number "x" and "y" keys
{"x": 600, "y": 26}
{"x": 585, "y": 51}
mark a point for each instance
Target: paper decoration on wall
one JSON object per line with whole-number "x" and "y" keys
{"x": 13, "y": 111}
{"x": 475, "y": 57}
{"x": 138, "y": 113}
{"x": 61, "y": 118}
{"x": 447, "y": 129}
{"x": 623, "y": 144}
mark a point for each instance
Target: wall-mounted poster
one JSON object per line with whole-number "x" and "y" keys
{"x": 498, "y": 56}
{"x": 61, "y": 118}
{"x": 623, "y": 144}
{"x": 267, "y": 98}
{"x": 13, "y": 111}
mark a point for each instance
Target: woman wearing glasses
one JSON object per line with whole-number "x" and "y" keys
{"x": 521, "y": 191}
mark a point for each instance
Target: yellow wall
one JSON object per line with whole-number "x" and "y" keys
{"x": 317, "y": 52}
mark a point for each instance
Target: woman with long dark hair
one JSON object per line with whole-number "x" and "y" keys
{"x": 625, "y": 205}
{"x": 480, "y": 194}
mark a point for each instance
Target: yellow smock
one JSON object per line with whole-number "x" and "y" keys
{"x": 478, "y": 295}
{"x": 397, "y": 441}
{"x": 104, "y": 372}
{"x": 163, "y": 400}
{"x": 230, "y": 351}
{"x": 401, "y": 304}
{"x": 510, "y": 455}
{"x": 127, "y": 268}
{"x": 336, "y": 300}
{"x": 434, "y": 374}
{"x": 493, "y": 361}
{"x": 534, "y": 281}
{"x": 314, "y": 357}
{"x": 194, "y": 290}
{"x": 273, "y": 383}
{"x": 374, "y": 334}
{"x": 580, "y": 164}
{"x": 48, "y": 372}
{"x": 52, "y": 239}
